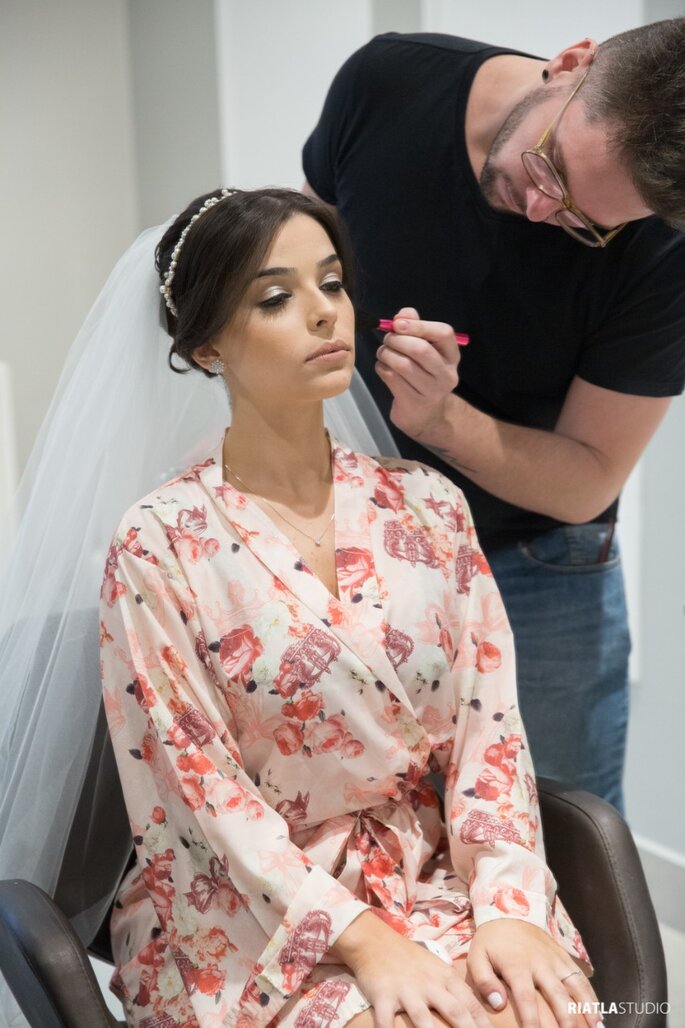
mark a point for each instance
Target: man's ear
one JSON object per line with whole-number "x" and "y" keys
{"x": 579, "y": 55}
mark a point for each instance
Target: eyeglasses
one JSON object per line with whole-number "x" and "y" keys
{"x": 548, "y": 180}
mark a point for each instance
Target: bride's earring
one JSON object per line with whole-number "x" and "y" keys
{"x": 217, "y": 366}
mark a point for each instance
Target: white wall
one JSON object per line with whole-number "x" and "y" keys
{"x": 175, "y": 104}
{"x": 536, "y": 27}
{"x": 656, "y": 766}
{"x": 66, "y": 182}
{"x": 276, "y": 61}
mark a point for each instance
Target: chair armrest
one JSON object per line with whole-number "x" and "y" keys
{"x": 45, "y": 963}
{"x": 593, "y": 857}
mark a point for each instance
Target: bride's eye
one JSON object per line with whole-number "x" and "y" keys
{"x": 333, "y": 285}
{"x": 274, "y": 302}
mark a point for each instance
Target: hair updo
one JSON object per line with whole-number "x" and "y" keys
{"x": 221, "y": 255}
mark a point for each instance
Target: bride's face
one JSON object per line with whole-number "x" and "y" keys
{"x": 292, "y": 338}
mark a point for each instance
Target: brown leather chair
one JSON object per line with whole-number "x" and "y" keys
{"x": 593, "y": 857}
{"x": 589, "y": 848}
{"x": 42, "y": 957}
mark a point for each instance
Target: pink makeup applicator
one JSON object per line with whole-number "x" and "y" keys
{"x": 387, "y": 325}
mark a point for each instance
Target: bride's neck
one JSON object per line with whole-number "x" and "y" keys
{"x": 288, "y": 453}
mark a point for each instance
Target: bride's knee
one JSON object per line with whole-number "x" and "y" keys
{"x": 508, "y": 1019}
{"x": 365, "y": 1020}
{"x": 502, "y": 1019}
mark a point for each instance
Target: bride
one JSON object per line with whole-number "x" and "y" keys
{"x": 296, "y": 640}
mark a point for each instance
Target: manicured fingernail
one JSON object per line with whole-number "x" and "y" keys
{"x": 385, "y": 325}
{"x": 495, "y": 1000}
{"x": 462, "y": 340}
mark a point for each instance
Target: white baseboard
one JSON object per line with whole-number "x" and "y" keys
{"x": 103, "y": 973}
{"x": 665, "y": 873}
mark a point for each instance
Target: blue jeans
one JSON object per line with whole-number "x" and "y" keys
{"x": 568, "y": 614}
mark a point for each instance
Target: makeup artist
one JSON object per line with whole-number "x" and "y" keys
{"x": 537, "y": 205}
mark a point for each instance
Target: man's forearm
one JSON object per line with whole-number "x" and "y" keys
{"x": 541, "y": 471}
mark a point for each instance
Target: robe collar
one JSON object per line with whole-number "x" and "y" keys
{"x": 354, "y": 484}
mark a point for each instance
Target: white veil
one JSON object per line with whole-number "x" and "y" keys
{"x": 121, "y": 422}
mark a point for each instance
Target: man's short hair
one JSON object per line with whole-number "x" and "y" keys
{"x": 637, "y": 86}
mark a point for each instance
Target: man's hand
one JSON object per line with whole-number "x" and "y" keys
{"x": 418, "y": 363}
{"x": 572, "y": 472}
{"x": 529, "y": 962}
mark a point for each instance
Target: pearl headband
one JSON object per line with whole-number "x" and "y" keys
{"x": 165, "y": 289}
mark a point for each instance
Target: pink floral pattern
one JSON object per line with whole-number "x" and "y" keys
{"x": 238, "y": 649}
{"x": 275, "y": 745}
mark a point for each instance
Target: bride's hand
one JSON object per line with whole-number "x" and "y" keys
{"x": 397, "y": 975}
{"x": 529, "y": 962}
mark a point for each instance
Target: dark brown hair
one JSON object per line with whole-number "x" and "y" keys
{"x": 637, "y": 86}
{"x": 222, "y": 253}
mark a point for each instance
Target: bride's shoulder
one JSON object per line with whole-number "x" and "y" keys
{"x": 416, "y": 474}
{"x": 184, "y": 494}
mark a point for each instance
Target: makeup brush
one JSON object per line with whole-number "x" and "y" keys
{"x": 365, "y": 320}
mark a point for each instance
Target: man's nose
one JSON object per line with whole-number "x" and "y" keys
{"x": 538, "y": 206}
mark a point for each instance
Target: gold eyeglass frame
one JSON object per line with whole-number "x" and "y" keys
{"x": 567, "y": 204}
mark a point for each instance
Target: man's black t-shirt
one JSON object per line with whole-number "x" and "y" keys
{"x": 390, "y": 152}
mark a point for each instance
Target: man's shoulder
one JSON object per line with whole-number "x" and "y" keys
{"x": 430, "y": 41}
{"x": 657, "y": 236}
{"x": 405, "y": 50}
{"x": 647, "y": 262}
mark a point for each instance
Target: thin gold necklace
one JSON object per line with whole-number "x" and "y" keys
{"x": 317, "y": 542}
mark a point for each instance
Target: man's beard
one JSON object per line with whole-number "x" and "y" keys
{"x": 491, "y": 175}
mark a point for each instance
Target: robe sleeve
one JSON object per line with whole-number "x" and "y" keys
{"x": 491, "y": 800}
{"x": 227, "y": 850}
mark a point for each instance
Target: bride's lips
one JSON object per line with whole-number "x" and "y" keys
{"x": 332, "y": 351}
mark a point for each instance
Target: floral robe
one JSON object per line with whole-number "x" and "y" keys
{"x": 278, "y": 746}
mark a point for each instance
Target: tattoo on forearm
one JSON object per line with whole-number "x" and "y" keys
{"x": 447, "y": 457}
